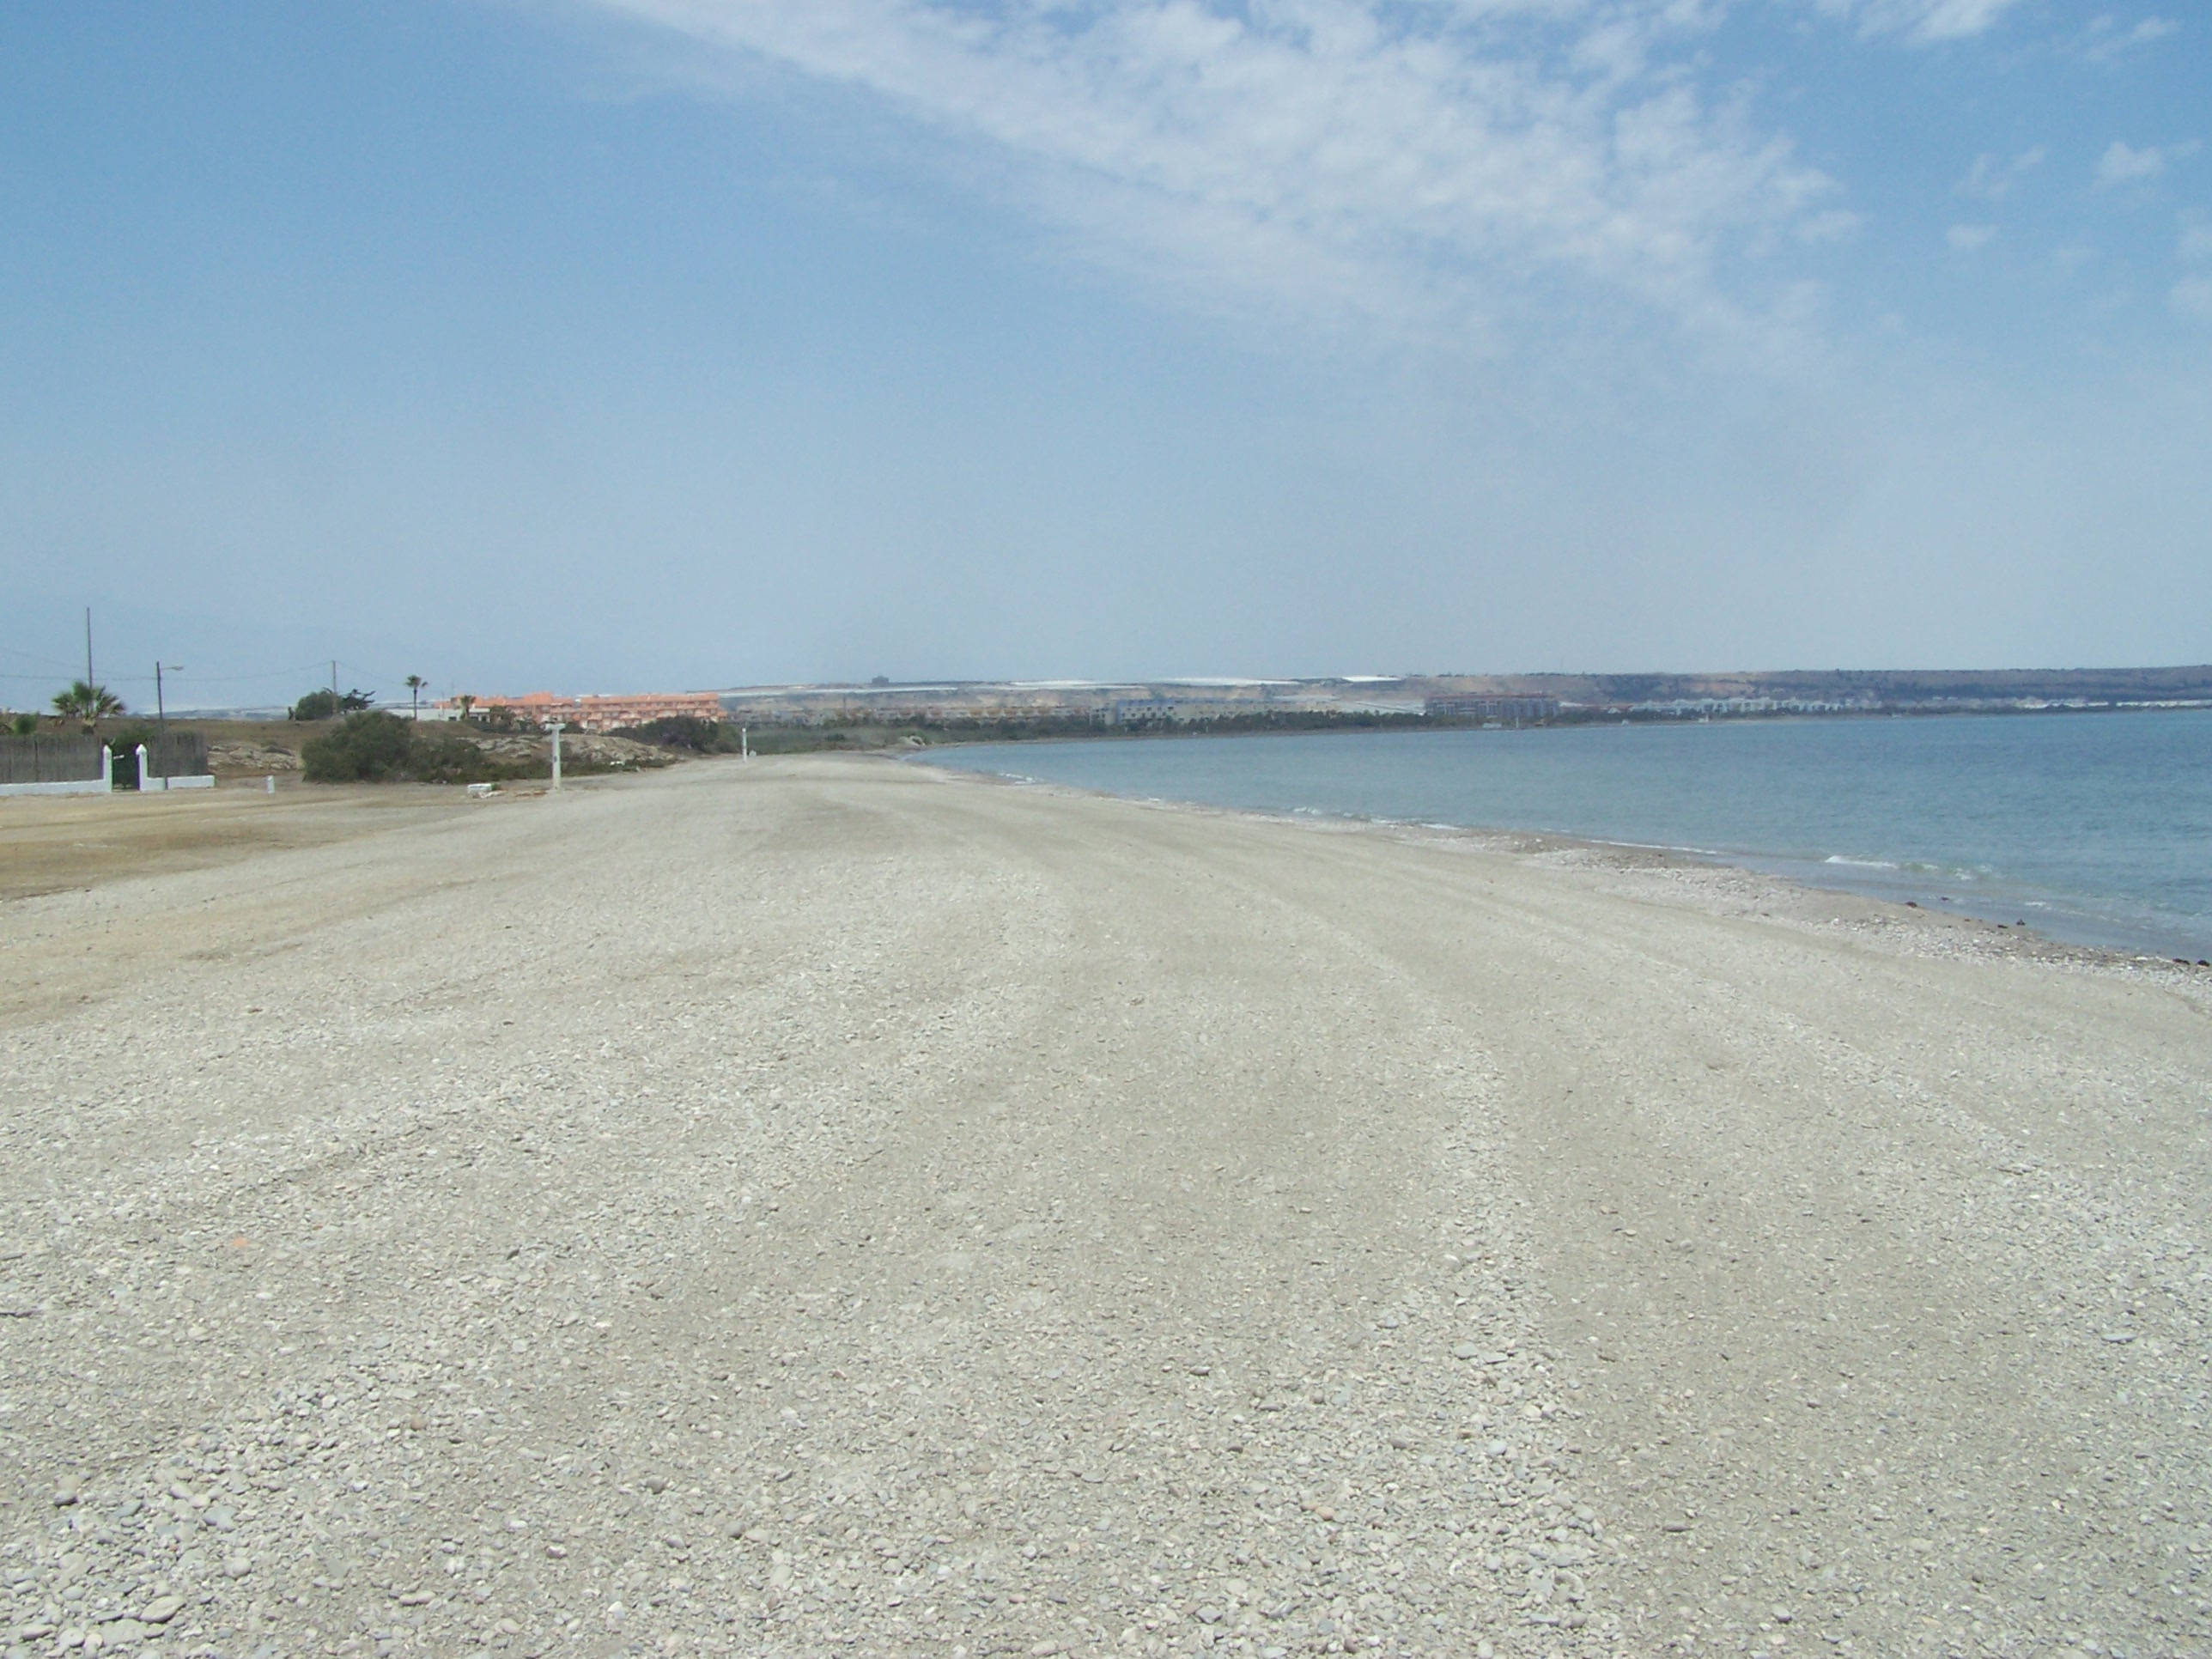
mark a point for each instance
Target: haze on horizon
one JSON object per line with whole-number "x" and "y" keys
{"x": 606, "y": 344}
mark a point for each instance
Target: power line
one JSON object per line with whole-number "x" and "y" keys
{"x": 211, "y": 679}
{"x": 311, "y": 673}
{"x": 27, "y": 656}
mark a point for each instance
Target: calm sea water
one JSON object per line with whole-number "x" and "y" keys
{"x": 2092, "y": 828}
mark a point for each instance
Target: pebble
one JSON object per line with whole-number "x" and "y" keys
{"x": 888, "y": 1437}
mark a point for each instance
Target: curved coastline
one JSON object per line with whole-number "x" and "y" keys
{"x": 2109, "y": 924}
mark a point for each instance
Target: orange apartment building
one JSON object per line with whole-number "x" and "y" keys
{"x": 600, "y": 713}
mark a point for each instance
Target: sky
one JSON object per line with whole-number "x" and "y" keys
{"x": 599, "y": 346}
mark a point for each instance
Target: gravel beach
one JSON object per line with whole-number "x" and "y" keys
{"x": 835, "y": 1207}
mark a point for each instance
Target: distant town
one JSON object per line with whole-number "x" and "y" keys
{"x": 1459, "y": 699}
{"x": 90, "y": 742}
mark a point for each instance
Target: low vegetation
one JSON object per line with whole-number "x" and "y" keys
{"x": 686, "y": 735}
{"x": 371, "y": 747}
{"x": 857, "y": 734}
{"x": 328, "y": 705}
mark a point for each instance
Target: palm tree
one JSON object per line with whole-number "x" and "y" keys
{"x": 414, "y": 684}
{"x": 90, "y": 703}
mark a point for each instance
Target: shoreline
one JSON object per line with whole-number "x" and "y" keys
{"x": 765, "y": 1209}
{"x": 1954, "y": 921}
{"x": 2061, "y": 920}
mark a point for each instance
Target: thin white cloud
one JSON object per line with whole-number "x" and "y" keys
{"x": 2192, "y": 297}
{"x": 1924, "y": 22}
{"x": 1968, "y": 239}
{"x": 1834, "y": 225}
{"x": 2104, "y": 40}
{"x": 2196, "y": 244}
{"x": 1417, "y": 164}
{"x": 1991, "y": 178}
{"x": 2124, "y": 164}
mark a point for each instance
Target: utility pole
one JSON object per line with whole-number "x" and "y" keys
{"x": 161, "y": 716}
{"x": 89, "y": 679}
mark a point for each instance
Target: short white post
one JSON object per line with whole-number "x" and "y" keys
{"x": 145, "y": 771}
{"x": 269, "y": 782}
{"x": 557, "y": 754}
{"x": 107, "y": 770}
{"x": 745, "y": 742}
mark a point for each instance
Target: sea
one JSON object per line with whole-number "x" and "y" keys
{"x": 2094, "y": 828}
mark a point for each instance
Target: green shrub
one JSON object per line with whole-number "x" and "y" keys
{"x": 381, "y": 748}
{"x": 329, "y": 705}
{"x": 447, "y": 756}
{"x": 687, "y": 732}
{"x": 364, "y": 748}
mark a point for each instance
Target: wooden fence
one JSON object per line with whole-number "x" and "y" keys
{"x": 51, "y": 760}
{"x": 179, "y": 755}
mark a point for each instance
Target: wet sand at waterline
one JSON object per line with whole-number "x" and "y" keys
{"x": 831, "y": 1205}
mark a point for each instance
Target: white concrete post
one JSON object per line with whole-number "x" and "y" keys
{"x": 745, "y": 742}
{"x": 557, "y": 754}
{"x": 145, "y": 771}
{"x": 270, "y": 782}
{"x": 107, "y": 770}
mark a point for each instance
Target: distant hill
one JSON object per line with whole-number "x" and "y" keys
{"x": 1864, "y": 688}
{"x": 1286, "y": 704}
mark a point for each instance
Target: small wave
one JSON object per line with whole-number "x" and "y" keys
{"x": 1859, "y": 863}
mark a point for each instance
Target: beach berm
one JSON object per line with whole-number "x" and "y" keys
{"x": 832, "y": 1205}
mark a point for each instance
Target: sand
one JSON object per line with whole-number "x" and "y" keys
{"x": 830, "y": 1205}
{"x": 56, "y": 844}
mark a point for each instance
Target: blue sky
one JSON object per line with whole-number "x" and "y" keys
{"x": 659, "y": 343}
